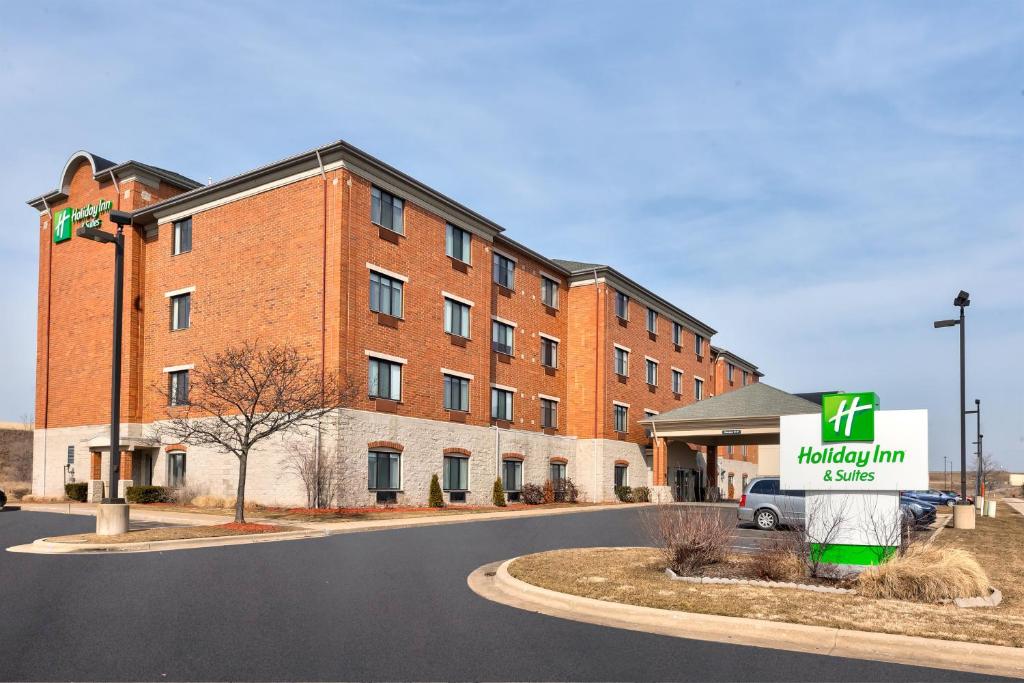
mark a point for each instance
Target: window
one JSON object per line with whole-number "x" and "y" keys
{"x": 621, "y": 362}
{"x": 677, "y": 334}
{"x": 387, "y": 210}
{"x": 652, "y": 321}
{"x": 71, "y": 456}
{"x": 384, "y": 471}
{"x": 766, "y": 486}
{"x": 456, "y": 243}
{"x": 502, "y": 336}
{"x": 698, "y": 345}
{"x": 621, "y": 418}
{"x": 548, "y": 352}
{"x": 181, "y": 236}
{"x": 455, "y": 473}
{"x": 385, "y": 379}
{"x": 745, "y": 378}
{"x": 698, "y": 388}
{"x": 501, "y": 404}
{"x": 622, "y": 305}
{"x": 176, "y": 469}
{"x": 549, "y": 292}
{"x": 512, "y": 475}
{"x": 621, "y": 476}
{"x": 677, "y": 382}
{"x": 558, "y": 475}
{"x": 181, "y": 310}
{"x": 385, "y": 294}
{"x": 504, "y": 271}
{"x": 730, "y": 370}
{"x": 456, "y": 318}
{"x": 652, "y": 372}
{"x": 548, "y": 414}
{"x": 456, "y": 393}
{"x": 178, "y": 388}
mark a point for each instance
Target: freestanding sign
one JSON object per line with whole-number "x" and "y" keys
{"x": 853, "y": 460}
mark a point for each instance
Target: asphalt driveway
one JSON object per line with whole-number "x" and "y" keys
{"x": 385, "y": 605}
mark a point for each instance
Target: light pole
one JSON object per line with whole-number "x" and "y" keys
{"x": 120, "y": 218}
{"x": 977, "y": 413}
{"x": 962, "y": 300}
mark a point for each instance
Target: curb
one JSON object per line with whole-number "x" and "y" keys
{"x": 494, "y": 582}
{"x": 44, "y": 546}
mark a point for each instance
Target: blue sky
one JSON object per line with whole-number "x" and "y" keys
{"x": 815, "y": 181}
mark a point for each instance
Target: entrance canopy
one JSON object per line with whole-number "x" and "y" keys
{"x": 747, "y": 416}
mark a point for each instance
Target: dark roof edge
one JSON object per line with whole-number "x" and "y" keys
{"x": 104, "y": 170}
{"x": 554, "y": 265}
{"x": 740, "y": 361}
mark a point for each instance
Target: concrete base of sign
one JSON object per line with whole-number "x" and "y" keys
{"x": 111, "y": 519}
{"x": 963, "y": 516}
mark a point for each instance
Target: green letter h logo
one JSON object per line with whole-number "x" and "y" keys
{"x": 62, "y": 225}
{"x": 848, "y": 417}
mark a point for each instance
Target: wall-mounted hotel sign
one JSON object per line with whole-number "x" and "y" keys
{"x": 66, "y": 218}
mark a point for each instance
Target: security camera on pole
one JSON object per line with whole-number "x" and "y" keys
{"x": 112, "y": 514}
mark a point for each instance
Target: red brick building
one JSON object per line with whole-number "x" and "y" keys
{"x": 473, "y": 355}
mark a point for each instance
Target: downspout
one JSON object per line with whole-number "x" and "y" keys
{"x": 597, "y": 373}
{"x": 117, "y": 189}
{"x": 323, "y": 334}
{"x": 49, "y": 294}
{"x": 497, "y": 453}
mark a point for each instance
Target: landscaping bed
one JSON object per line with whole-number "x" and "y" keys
{"x": 637, "y": 576}
{"x": 174, "y": 533}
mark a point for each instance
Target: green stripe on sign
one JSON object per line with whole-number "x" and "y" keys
{"x": 841, "y": 553}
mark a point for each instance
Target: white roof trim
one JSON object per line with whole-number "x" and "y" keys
{"x": 549, "y": 336}
{"x": 503, "y": 387}
{"x": 621, "y": 347}
{"x": 178, "y": 292}
{"x": 448, "y": 295}
{"x": 503, "y": 321}
{"x": 385, "y": 271}
{"x": 620, "y": 403}
{"x": 456, "y": 373}
{"x": 384, "y": 356}
{"x": 549, "y": 398}
{"x": 179, "y": 368}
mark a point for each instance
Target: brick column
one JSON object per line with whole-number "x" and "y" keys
{"x": 660, "y": 462}
{"x": 95, "y": 460}
{"x": 126, "y": 464}
{"x": 712, "y": 468}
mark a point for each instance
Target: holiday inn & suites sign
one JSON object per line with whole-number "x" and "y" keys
{"x": 66, "y": 218}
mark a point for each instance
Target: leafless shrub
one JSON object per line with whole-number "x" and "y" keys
{"x": 318, "y": 469}
{"x": 824, "y": 522}
{"x": 780, "y": 558}
{"x": 689, "y": 538}
{"x": 925, "y": 574}
{"x": 184, "y": 495}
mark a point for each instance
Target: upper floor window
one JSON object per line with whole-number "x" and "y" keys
{"x": 621, "y": 418}
{"x": 456, "y": 393}
{"x": 504, "y": 271}
{"x": 387, "y": 210}
{"x": 652, "y": 321}
{"x": 177, "y": 388}
{"x": 698, "y": 344}
{"x": 698, "y": 388}
{"x": 502, "y": 337}
{"x": 548, "y": 414}
{"x": 457, "y": 243}
{"x": 456, "y": 318}
{"x": 677, "y": 334}
{"x": 385, "y": 379}
{"x": 501, "y": 404}
{"x": 745, "y": 378}
{"x": 621, "y": 362}
{"x": 386, "y": 294}
{"x": 181, "y": 236}
{"x": 548, "y": 292}
{"x": 652, "y": 372}
{"x": 677, "y": 382}
{"x": 730, "y": 370}
{"x": 181, "y": 311}
{"x": 622, "y": 305}
{"x": 548, "y": 352}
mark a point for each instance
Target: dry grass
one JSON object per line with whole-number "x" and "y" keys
{"x": 16, "y": 490}
{"x": 174, "y": 533}
{"x": 926, "y": 574}
{"x": 636, "y": 576}
{"x": 779, "y": 560}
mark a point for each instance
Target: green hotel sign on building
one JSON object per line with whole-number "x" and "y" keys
{"x": 66, "y": 218}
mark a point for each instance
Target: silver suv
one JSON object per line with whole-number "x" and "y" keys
{"x": 764, "y": 504}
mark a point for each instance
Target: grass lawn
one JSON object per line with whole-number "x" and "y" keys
{"x": 174, "y": 533}
{"x": 636, "y": 576}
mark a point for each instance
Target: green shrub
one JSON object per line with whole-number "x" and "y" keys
{"x": 436, "y": 499}
{"x": 532, "y": 494}
{"x": 624, "y": 493}
{"x": 148, "y": 494}
{"x": 641, "y": 494}
{"x": 77, "y": 491}
{"x": 498, "y": 494}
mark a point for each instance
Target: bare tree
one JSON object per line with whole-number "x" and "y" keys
{"x": 824, "y": 522}
{"x": 248, "y": 393}
{"x": 316, "y": 468}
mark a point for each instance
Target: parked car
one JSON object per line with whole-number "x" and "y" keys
{"x": 970, "y": 500}
{"x": 3, "y": 499}
{"x": 768, "y": 506}
{"x": 933, "y": 497}
{"x": 918, "y": 512}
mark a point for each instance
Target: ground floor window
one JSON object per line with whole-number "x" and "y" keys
{"x": 176, "y": 469}
{"x": 456, "y": 473}
{"x": 512, "y": 477}
{"x": 385, "y": 471}
{"x": 558, "y": 475}
{"x": 620, "y": 475}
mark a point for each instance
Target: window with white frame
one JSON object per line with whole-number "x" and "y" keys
{"x": 386, "y": 294}
{"x": 652, "y": 321}
{"x": 698, "y": 344}
{"x": 730, "y": 370}
{"x": 385, "y": 379}
{"x": 456, "y": 393}
{"x": 176, "y": 469}
{"x": 652, "y": 372}
{"x": 384, "y": 471}
{"x": 548, "y": 292}
{"x": 622, "y": 305}
{"x": 548, "y": 413}
{"x": 512, "y": 476}
{"x": 181, "y": 236}
{"x": 621, "y": 475}
{"x": 181, "y": 311}
{"x": 677, "y": 382}
{"x": 621, "y": 418}
{"x": 677, "y": 334}
{"x": 698, "y": 388}
{"x": 621, "y": 362}
{"x": 177, "y": 388}
{"x": 504, "y": 271}
{"x": 387, "y": 210}
{"x": 502, "y": 337}
{"x": 501, "y": 404}
{"x": 457, "y": 242}
{"x": 456, "y": 318}
{"x": 455, "y": 473}
{"x": 548, "y": 352}
{"x": 71, "y": 456}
